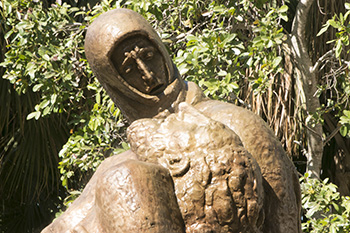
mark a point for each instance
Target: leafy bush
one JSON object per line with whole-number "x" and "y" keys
{"x": 324, "y": 209}
{"x": 341, "y": 46}
{"x": 45, "y": 55}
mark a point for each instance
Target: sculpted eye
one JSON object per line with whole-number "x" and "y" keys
{"x": 149, "y": 55}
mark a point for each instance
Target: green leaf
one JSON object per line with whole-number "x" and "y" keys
{"x": 333, "y": 23}
{"x": 347, "y": 6}
{"x": 31, "y": 69}
{"x": 94, "y": 123}
{"x": 283, "y": 9}
{"x": 343, "y": 130}
{"x": 37, "y": 87}
{"x": 346, "y": 15}
{"x": 191, "y": 38}
{"x": 270, "y": 44}
{"x": 341, "y": 18}
{"x": 276, "y": 61}
{"x": 270, "y": 13}
{"x": 323, "y": 30}
{"x": 44, "y": 103}
{"x": 313, "y": 209}
{"x": 35, "y": 115}
{"x": 183, "y": 68}
{"x": 336, "y": 207}
{"x": 338, "y": 48}
{"x": 46, "y": 110}
{"x": 53, "y": 98}
{"x": 5, "y": 63}
{"x": 64, "y": 182}
{"x": 229, "y": 38}
{"x": 98, "y": 97}
{"x": 222, "y": 73}
{"x": 92, "y": 87}
{"x": 333, "y": 229}
{"x": 284, "y": 17}
{"x": 236, "y": 51}
{"x": 250, "y": 61}
{"x": 73, "y": 9}
{"x": 125, "y": 146}
{"x": 43, "y": 50}
{"x": 46, "y": 57}
{"x": 24, "y": 25}
{"x": 8, "y": 34}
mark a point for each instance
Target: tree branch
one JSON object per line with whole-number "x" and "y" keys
{"x": 298, "y": 27}
{"x": 331, "y": 135}
{"x": 307, "y": 78}
{"x": 330, "y": 53}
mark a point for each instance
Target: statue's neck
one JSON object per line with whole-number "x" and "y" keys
{"x": 189, "y": 93}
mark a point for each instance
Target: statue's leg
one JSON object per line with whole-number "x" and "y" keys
{"x": 135, "y": 196}
{"x": 83, "y": 205}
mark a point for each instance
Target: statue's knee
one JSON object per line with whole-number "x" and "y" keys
{"x": 134, "y": 196}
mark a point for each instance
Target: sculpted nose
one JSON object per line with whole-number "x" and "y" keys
{"x": 147, "y": 74}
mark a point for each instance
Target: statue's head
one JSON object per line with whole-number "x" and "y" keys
{"x": 141, "y": 65}
{"x": 132, "y": 64}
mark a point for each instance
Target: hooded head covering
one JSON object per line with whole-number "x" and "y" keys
{"x": 103, "y": 35}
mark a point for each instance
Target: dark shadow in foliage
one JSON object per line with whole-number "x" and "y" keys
{"x": 29, "y": 178}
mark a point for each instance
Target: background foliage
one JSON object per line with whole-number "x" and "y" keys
{"x": 54, "y": 113}
{"x": 324, "y": 209}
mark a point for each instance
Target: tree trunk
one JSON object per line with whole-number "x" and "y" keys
{"x": 306, "y": 76}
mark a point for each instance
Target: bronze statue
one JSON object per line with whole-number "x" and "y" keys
{"x": 195, "y": 164}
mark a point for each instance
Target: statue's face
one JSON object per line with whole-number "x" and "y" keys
{"x": 141, "y": 65}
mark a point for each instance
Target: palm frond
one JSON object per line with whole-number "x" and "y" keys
{"x": 30, "y": 180}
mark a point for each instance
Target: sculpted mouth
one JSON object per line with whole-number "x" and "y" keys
{"x": 156, "y": 89}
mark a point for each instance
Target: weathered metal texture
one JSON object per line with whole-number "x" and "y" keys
{"x": 218, "y": 184}
{"x": 280, "y": 180}
{"x": 124, "y": 195}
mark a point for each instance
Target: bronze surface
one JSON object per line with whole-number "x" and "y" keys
{"x": 195, "y": 164}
